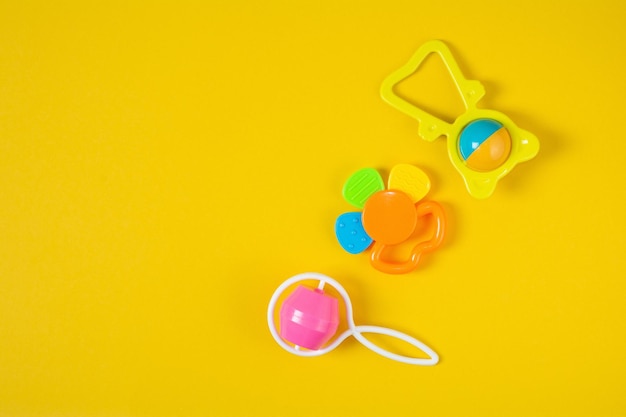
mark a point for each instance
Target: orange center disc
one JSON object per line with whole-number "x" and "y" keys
{"x": 389, "y": 217}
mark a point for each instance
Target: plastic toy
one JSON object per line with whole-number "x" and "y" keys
{"x": 389, "y": 217}
{"x": 309, "y": 318}
{"x": 483, "y": 145}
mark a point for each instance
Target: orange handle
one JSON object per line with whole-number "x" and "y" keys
{"x": 423, "y": 209}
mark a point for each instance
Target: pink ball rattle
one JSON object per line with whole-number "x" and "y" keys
{"x": 309, "y": 319}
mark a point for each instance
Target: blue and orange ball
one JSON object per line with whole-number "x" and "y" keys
{"x": 484, "y": 145}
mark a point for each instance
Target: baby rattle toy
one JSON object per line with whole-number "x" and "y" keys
{"x": 309, "y": 318}
{"x": 390, "y": 217}
{"x": 483, "y": 145}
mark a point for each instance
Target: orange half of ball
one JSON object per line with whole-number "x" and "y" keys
{"x": 492, "y": 153}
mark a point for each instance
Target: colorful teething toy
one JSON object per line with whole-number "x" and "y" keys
{"x": 389, "y": 217}
{"x": 483, "y": 145}
{"x": 309, "y": 318}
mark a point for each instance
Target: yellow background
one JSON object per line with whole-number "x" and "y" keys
{"x": 164, "y": 167}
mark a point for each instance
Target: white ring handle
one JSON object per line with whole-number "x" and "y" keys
{"x": 353, "y": 330}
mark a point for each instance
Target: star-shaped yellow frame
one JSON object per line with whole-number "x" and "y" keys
{"x": 480, "y": 184}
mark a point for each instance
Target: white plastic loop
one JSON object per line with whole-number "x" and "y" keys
{"x": 353, "y": 330}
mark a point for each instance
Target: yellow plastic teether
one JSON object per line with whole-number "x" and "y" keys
{"x": 409, "y": 179}
{"x": 483, "y": 145}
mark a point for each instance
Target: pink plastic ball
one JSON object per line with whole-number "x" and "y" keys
{"x": 309, "y": 318}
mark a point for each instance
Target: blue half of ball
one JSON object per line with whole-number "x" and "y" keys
{"x": 475, "y": 133}
{"x": 351, "y": 234}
